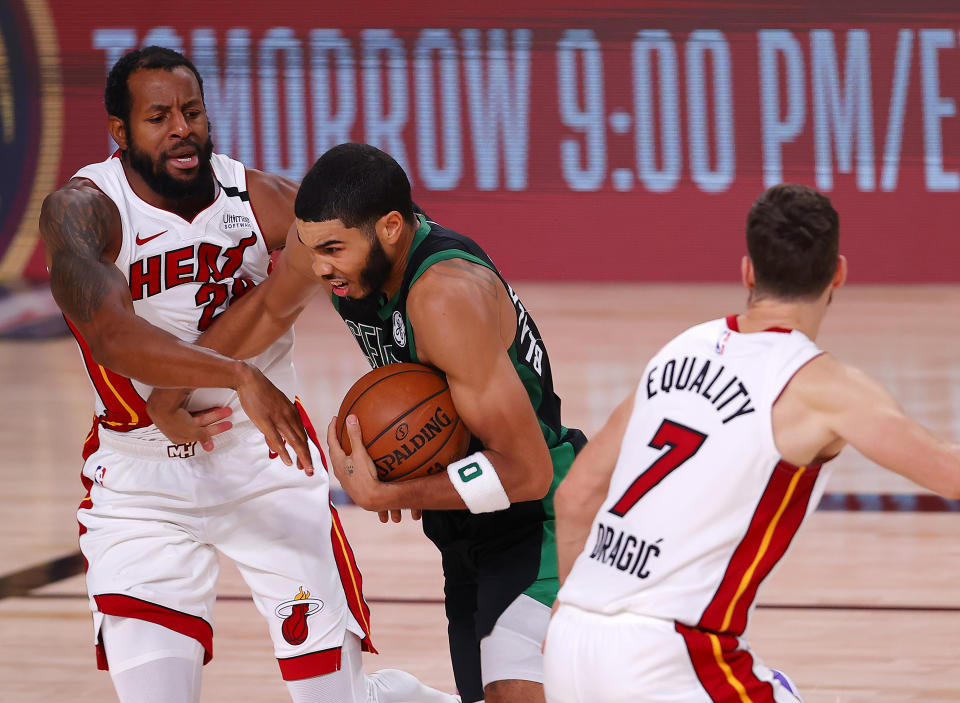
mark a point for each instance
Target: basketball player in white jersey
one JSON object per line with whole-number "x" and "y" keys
{"x": 674, "y": 514}
{"x": 144, "y": 250}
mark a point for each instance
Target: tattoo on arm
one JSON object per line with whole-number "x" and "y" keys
{"x": 76, "y": 231}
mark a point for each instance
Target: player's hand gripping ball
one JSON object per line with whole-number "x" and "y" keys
{"x": 409, "y": 425}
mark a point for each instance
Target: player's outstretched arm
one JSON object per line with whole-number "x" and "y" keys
{"x": 463, "y": 326}
{"x": 251, "y": 324}
{"x": 854, "y": 407}
{"x": 258, "y": 319}
{"x": 81, "y": 230}
{"x": 246, "y": 329}
{"x": 582, "y": 492}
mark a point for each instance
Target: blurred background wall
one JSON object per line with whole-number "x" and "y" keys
{"x": 576, "y": 141}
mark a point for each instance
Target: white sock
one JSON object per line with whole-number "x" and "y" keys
{"x": 344, "y": 686}
{"x": 396, "y": 686}
{"x": 349, "y": 685}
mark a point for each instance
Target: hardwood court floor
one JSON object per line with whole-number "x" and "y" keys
{"x": 865, "y": 608}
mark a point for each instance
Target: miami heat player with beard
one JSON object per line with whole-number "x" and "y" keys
{"x": 145, "y": 249}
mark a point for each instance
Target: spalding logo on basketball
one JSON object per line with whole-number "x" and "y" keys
{"x": 409, "y": 425}
{"x": 294, "y": 614}
{"x": 408, "y": 456}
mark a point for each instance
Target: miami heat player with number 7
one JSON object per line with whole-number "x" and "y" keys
{"x": 676, "y": 512}
{"x": 145, "y": 249}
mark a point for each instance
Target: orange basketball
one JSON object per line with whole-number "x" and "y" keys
{"x": 409, "y": 425}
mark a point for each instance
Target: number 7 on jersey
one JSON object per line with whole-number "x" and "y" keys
{"x": 683, "y": 442}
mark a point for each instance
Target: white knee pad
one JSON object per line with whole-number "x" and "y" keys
{"x": 514, "y": 648}
{"x": 169, "y": 680}
{"x": 150, "y": 663}
{"x": 130, "y": 642}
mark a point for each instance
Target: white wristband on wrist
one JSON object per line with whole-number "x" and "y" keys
{"x": 478, "y": 484}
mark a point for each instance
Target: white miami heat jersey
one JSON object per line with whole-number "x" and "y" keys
{"x": 701, "y": 506}
{"x": 181, "y": 276}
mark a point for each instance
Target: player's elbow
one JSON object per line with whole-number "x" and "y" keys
{"x": 537, "y": 484}
{"x": 569, "y": 502}
{"x": 110, "y": 356}
{"x": 103, "y": 356}
{"x": 110, "y": 344}
{"x": 953, "y": 493}
{"x": 947, "y": 482}
{"x": 565, "y": 499}
{"x": 104, "y": 351}
{"x": 541, "y": 487}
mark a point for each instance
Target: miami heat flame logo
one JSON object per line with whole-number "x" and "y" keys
{"x": 294, "y": 614}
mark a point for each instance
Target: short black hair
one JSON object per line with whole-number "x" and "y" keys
{"x": 117, "y": 98}
{"x": 356, "y": 184}
{"x": 793, "y": 239}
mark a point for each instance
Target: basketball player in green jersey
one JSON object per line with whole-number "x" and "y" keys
{"x": 411, "y": 290}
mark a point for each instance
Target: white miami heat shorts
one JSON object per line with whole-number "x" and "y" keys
{"x": 157, "y": 514}
{"x": 624, "y": 658}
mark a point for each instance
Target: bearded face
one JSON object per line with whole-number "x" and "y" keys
{"x": 376, "y": 270}
{"x": 162, "y": 173}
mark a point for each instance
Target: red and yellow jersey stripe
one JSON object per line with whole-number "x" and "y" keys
{"x": 124, "y": 409}
{"x": 724, "y": 670}
{"x": 723, "y": 667}
{"x": 350, "y": 574}
{"x": 775, "y": 521}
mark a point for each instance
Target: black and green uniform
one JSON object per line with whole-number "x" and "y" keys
{"x": 490, "y": 558}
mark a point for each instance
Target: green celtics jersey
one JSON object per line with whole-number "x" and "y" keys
{"x": 384, "y": 333}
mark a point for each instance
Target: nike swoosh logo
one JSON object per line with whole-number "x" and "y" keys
{"x": 147, "y": 239}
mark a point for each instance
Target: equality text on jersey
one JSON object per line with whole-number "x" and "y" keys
{"x": 711, "y": 381}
